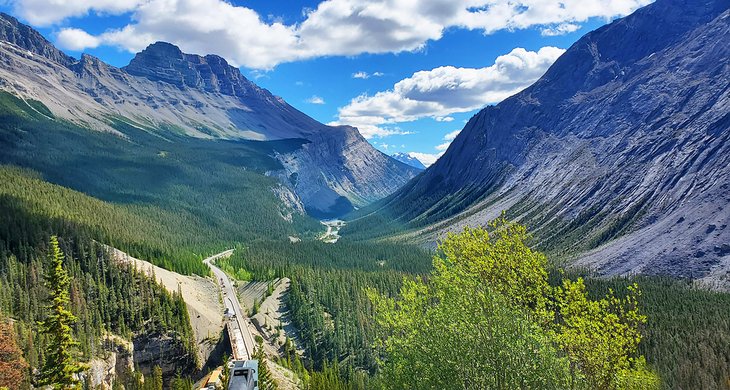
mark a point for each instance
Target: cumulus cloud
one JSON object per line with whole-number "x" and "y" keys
{"x": 442, "y": 91}
{"x": 315, "y": 100}
{"x": 76, "y": 39}
{"x": 334, "y": 27}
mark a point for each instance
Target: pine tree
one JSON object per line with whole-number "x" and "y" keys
{"x": 60, "y": 367}
{"x": 266, "y": 382}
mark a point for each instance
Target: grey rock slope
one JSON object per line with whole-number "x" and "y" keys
{"x": 407, "y": 159}
{"x": 163, "y": 89}
{"x": 619, "y": 156}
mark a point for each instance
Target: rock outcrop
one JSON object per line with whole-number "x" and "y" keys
{"x": 618, "y": 157}
{"x": 115, "y": 363}
{"x": 163, "y": 350}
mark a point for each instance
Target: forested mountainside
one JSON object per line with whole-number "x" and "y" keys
{"x": 127, "y": 323}
{"x": 178, "y": 96}
{"x": 618, "y": 153}
{"x": 327, "y": 297}
{"x": 167, "y": 179}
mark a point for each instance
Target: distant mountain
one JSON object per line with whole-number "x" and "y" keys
{"x": 408, "y": 159}
{"x": 164, "y": 90}
{"x": 617, "y": 158}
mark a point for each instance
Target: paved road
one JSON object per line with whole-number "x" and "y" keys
{"x": 242, "y": 342}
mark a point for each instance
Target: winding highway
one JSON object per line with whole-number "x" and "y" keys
{"x": 242, "y": 342}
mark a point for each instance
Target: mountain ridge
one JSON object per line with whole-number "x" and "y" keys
{"x": 165, "y": 90}
{"x": 619, "y": 152}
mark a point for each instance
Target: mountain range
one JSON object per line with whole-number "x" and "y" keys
{"x": 617, "y": 159}
{"x": 164, "y": 91}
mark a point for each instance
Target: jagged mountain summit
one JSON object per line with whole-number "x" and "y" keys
{"x": 408, "y": 159}
{"x": 618, "y": 157}
{"x": 165, "y": 90}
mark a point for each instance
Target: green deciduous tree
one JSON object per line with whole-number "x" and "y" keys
{"x": 61, "y": 367}
{"x": 601, "y": 338}
{"x": 487, "y": 318}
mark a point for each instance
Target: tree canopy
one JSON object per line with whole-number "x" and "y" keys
{"x": 487, "y": 318}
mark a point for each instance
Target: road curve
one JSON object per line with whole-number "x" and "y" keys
{"x": 242, "y": 342}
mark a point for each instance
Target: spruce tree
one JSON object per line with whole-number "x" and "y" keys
{"x": 61, "y": 367}
{"x": 266, "y": 381}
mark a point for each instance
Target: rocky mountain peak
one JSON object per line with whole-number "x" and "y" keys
{"x": 23, "y": 36}
{"x": 408, "y": 159}
{"x": 165, "y": 62}
{"x": 328, "y": 169}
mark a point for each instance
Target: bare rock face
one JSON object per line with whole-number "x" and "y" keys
{"x": 166, "y": 63}
{"x": 117, "y": 361}
{"x": 163, "y": 89}
{"x": 618, "y": 157}
{"x": 162, "y": 350}
{"x": 21, "y": 35}
{"x": 327, "y": 172}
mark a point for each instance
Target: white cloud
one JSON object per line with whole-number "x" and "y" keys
{"x": 315, "y": 100}
{"x": 442, "y": 147}
{"x": 366, "y": 75}
{"x": 46, "y": 13}
{"x": 76, "y": 39}
{"x": 449, "y": 137}
{"x": 561, "y": 29}
{"x": 333, "y": 28}
{"x": 372, "y": 131}
{"x": 444, "y": 118}
{"x": 452, "y": 135}
{"x": 442, "y": 91}
{"x": 426, "y": 159}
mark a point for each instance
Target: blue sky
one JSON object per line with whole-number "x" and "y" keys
{"x": 423, "y": 67}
